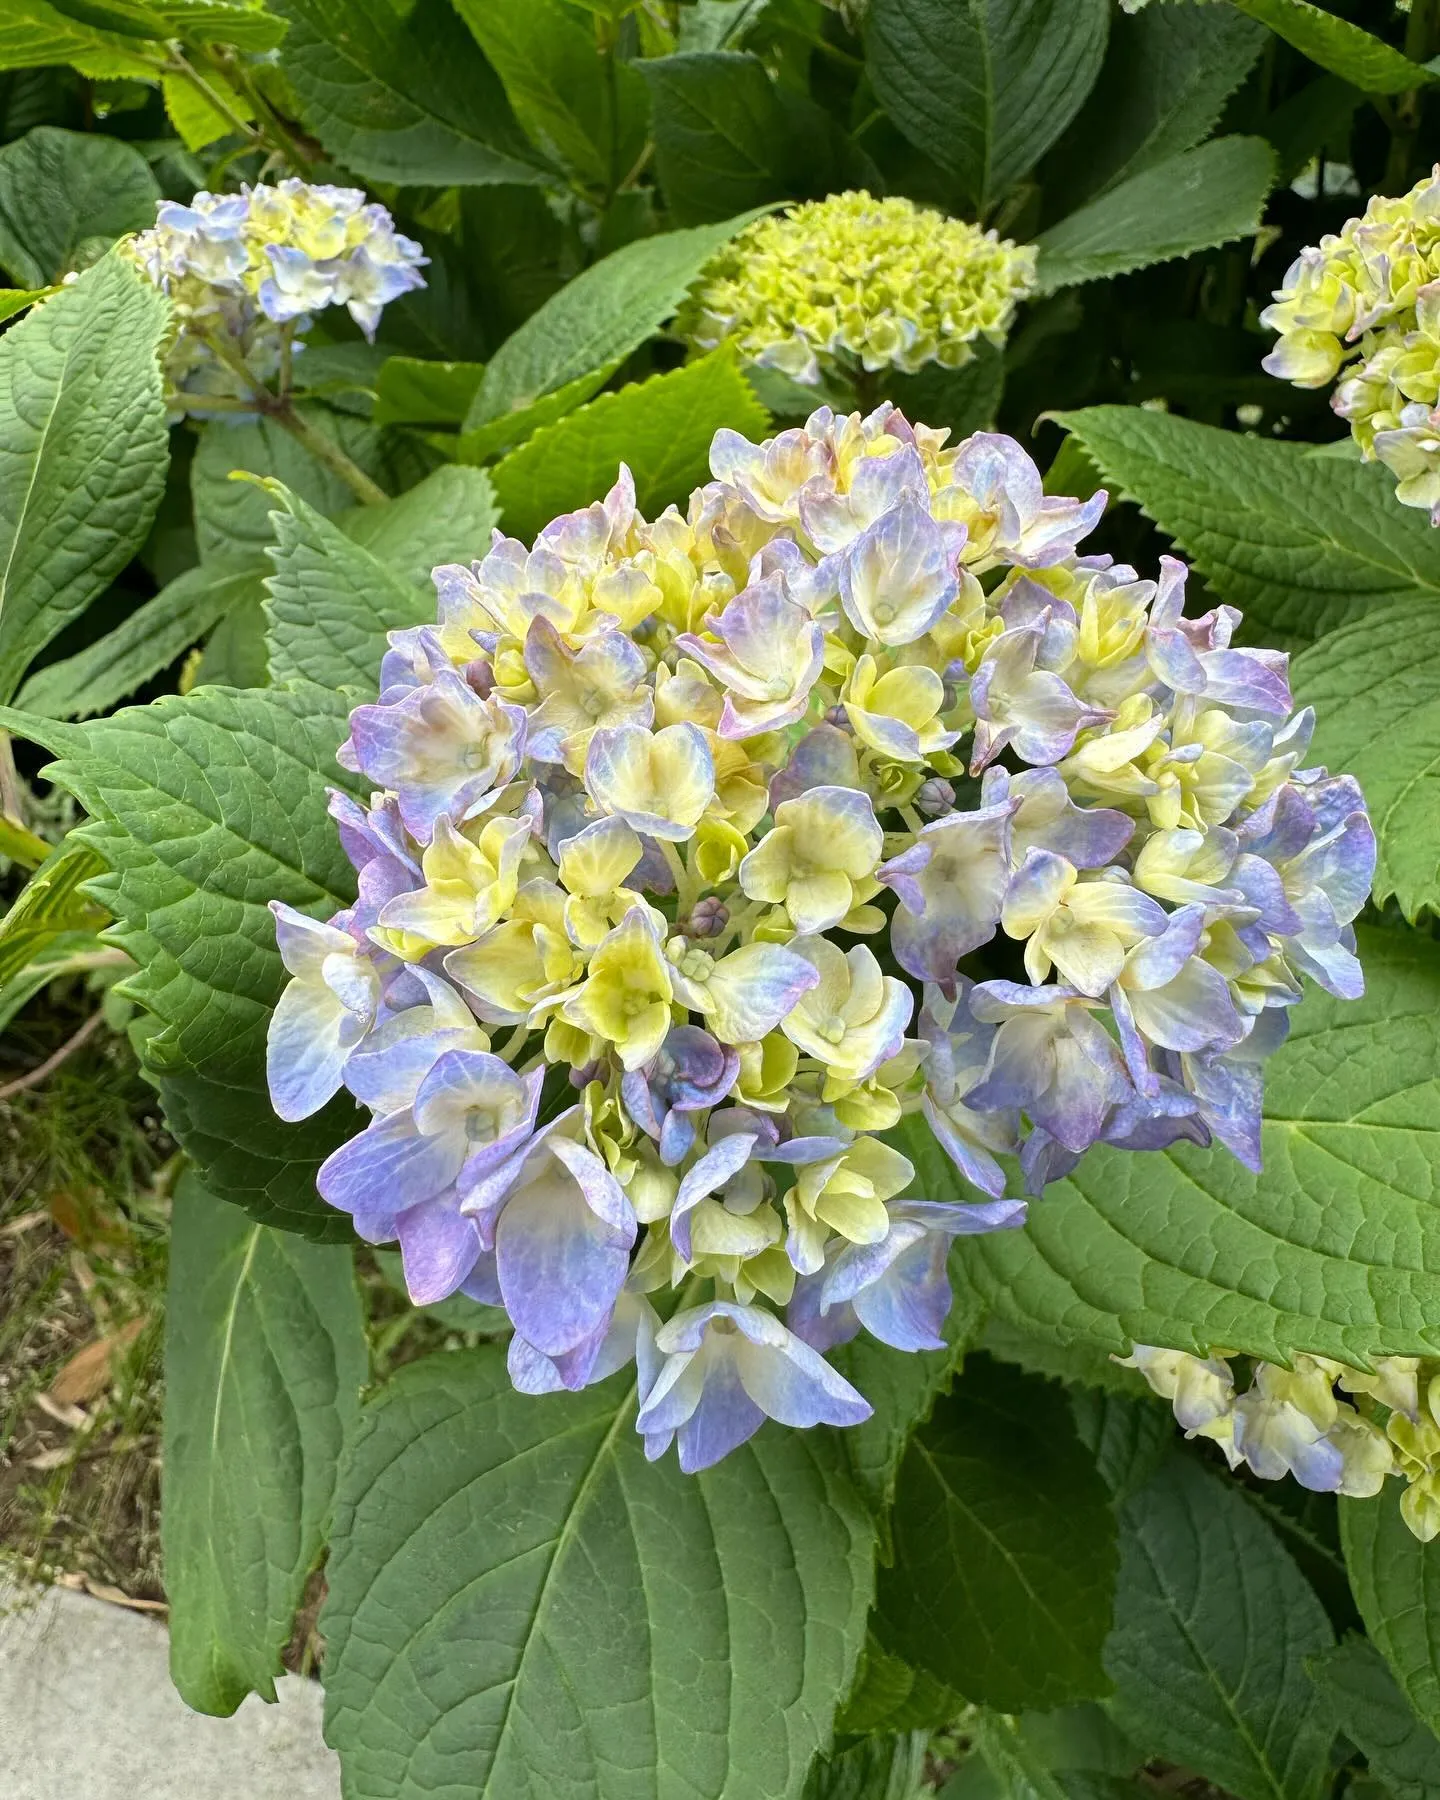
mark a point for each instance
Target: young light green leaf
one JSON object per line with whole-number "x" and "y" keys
{"x": 1004, "y": 1567}
{"x": 265, "y": 1356}
{"x": 512, "y": 429}
{"x": 877, "y": 1768}
{"x": 1168, "y": 72}
{"x": 64, "y": 197}
{"x": 203, "y": 809}
{"x": 889, "y": 1695}
{"x": 1396, "y": 1583}
{"x": 331, "y": 601}
{"x": 1196, "y": 200}
{"x": 1367, "y": 62}
{"x": 15, "y": 300}
{"x": 51, "y": 905}
{"x": 1372, "y": 1712}
{"x": 83, "y": 453}
{"x": 984, "y": 86}
{"x": 1213, "y": 1623}
{"x": 245, "y": 24}
{"x": 108, "y": 670}
{"x": 33, "y": 35}
{"x": 598, "y": 318}
{"x": 448, "y": 517}
{"x": 1375, "y": 685}
{"x": 582, "y": 113}
{"x": 1301, "y": 542}
{"x": 564, "y": 1619}
{"x": 1335, "y": 1248}
{"x": 403, "y": 95}
{"x": 197, "y": 119}
{"x": 68, "y": 953}
{"x": 661, "y": 428}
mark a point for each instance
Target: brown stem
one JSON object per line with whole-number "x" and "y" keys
{"x": 51, "y": 1063}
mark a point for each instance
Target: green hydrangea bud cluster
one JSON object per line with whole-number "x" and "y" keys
{"x": 1366, "y": 304}
{"x": 1381, "y": 1422}
{"x": 853, "y": 281}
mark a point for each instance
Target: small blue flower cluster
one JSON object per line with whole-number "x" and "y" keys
{"x": 644, "y": 795}
{"x": 246, "y": 272}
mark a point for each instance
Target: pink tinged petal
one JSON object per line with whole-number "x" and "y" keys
{"x": 717, "y": 1166}
{"x": 439, "y": 1248}
{"x": 1034, "y": 891}
{"x": 1193, "y": 1011}
{"x": 1253, "y": 680}
{"x": 390, "y": 1167}
{"x": 970, "y": 1157}
{"x": 755, "y": 988}
{"x": 899, "y": 576}
{"x": 1160, "y": 959}
{"x": 1133, "y": 1046}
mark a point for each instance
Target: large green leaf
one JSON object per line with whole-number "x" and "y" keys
{"x": 520, "y": 1605}
{"x": 203, "y": 809}
{"x": 728, "y": 137}
{"x": 34, "y": 35}
{"x": 1375, "y": 685}
{"x": 1168, "y": 72}
{"x": 1335, "y": 1248}
{"x": 599, "y": 317}
{"x": 83, "y": 453}
{"x": 64, "y": 197}
{"x": 413, "y": 390}
{"x": 106, "y": 671}
{"x": 1193, "y": 201}
{"x": 877, "y": 1768}
{"x": 1372, "y": 1712}
{"x": 582, "y": 113}
{"x": 1129, "y": 1436}
{"x": 984, "y": 86}
{"x": 662, "y": 428}
{"x": 402, "y": 94}
{"x": 1004, "y": 1566}
{"x": 1365, "y": 61}
{"x": 1213, "y": 1623}
{"x": 265, "y": 1357}
{"x": 1396, "y": 1583}
{"x": 447, "y": 517}
{"x": 1302, "y": 542}
{"x": 331, "y": 601}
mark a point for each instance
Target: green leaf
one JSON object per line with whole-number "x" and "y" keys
{"x": 127, "y": 18}
{"x": 64, "y": 197}
{"x": 83, "y": 453}
{"x": 1129, "y": 1437}
{"x": 1372, "y": 1712}
{"x": 331, "y": 601}
{"x": 140, "y": 647}
{"x": 1335, "y": 1248}
{"x": 33, "y": 35}
{"x": 661, "y": 427}
{"x": 232, "y": 518}
{"x": 877, "y": 1768}
{"x": 197, "y": 120}
{"x": 235, "y": 653}
{"x": 513, "y": 428}
{"x": 412, "y": 391}
{"x": 1168, "y": 72}
{"x": 1375, "y": 685}
{"x": 204, "y": 808}
{"x": 1303, "y": 543}
{"x": 891, "y": 1696}
{"x": 50, "y": 906}
{"x": 447, "y": 517}
{"x": 1396, "y": 1583}
{"x": 1195, "y": 201}
{"x": 583, "y": 113}
{"x": 984, "y": 86}
{"x": 601, "y": 316}
{"x": 67, "y": 953}
{"x": 245, "y": 25}
{"x": 519, "y": 1603}
{"x": 1213, "y": 1623}
{"x": 1344, "y": 49}
{"x": 964, "y": 399}
{"x": 402, "y": 94}
{"x": 265, "y": 1356}
{"x": 727, "y": 137}
{"x": 15, "y": 300}
{"x": 1004, "y": 1564}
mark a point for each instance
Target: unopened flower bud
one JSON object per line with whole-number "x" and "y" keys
{"x": 934, "y": 797}
{"x": 708, "y": 918}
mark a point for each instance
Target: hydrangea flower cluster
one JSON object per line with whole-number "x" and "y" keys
{"x": 1368, "y": 302}
{"x": 679, "y": 807}
{"x": 1292, "y": 1422}
{"x": 246, "y": 272}
{"x": 854, "y": 282}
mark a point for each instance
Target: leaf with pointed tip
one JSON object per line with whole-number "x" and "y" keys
{"x": 1396, "y": 1583}
{"x": 1366, "y": 61}
{"x": 1373, "y": 1713}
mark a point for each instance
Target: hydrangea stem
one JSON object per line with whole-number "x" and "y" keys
{"x": 325, "y": 450}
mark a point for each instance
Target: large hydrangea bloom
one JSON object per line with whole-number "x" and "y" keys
{"x": 705, "y": 850}
{"x": 855, "y": 282}
{"x": 245, "y": 273}
{"x": 1365, "y": 304}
